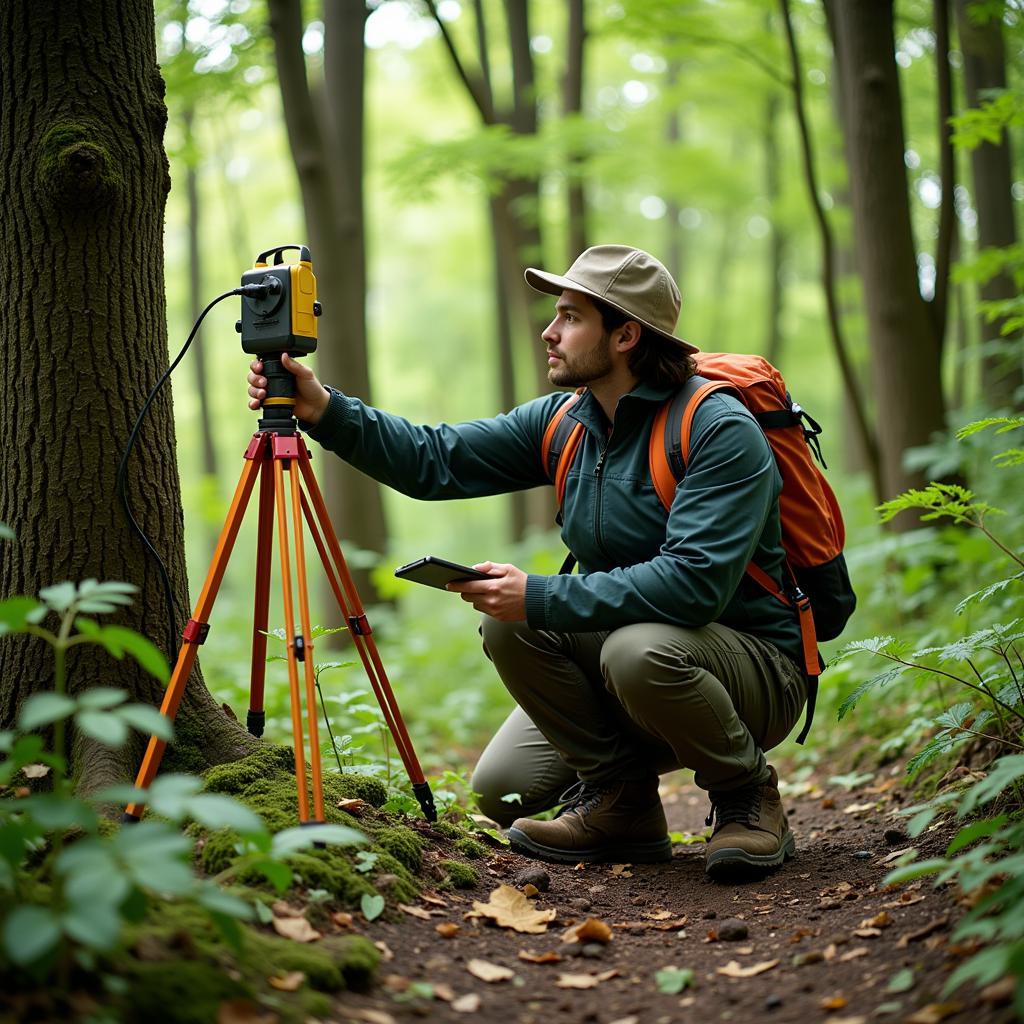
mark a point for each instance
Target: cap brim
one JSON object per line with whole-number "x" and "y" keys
{"x": 553, "y": 284}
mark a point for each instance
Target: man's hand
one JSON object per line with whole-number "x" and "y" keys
{"x": 503, "y": 597}
{"x": 311, "y": 397}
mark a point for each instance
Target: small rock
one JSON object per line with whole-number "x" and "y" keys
{"x": 773, "y": 1002}
{"x": 580, "y": 903}
{"x": 570, "y": 949}
{"x": 592, "y": 950}
{"x": 639, "y": 901}
{"x": 386, "y": 881}
{"x": 534, "y": 876}
{"x": 895, "y": 836}
{"x": 732, "y": 930}
{"x": 813, "y": 956}
{"x": 709, "y": 915}
{"x": 862, "y": 855}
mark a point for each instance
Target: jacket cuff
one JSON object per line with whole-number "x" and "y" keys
{"x": 536, "y": 592}
{"x": 336, "y": 416}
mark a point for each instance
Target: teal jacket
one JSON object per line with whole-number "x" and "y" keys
{"x": 635, "y": 565}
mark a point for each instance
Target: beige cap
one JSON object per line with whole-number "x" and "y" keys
{"x": 631, "y": 280}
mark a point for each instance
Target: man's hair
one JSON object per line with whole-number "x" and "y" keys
{"x": 653, "y": 360}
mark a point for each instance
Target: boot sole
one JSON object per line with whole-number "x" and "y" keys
{"x": 731, "y": 861}
{"x": 632, "y": 853}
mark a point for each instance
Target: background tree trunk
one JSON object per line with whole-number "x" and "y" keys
{"x": 328, "y": 159}
{"x": 992, "y": 172}
{"x": 83, "y": 338}
{"x": 904, "y": 351}
{"x": 572, "y": 103}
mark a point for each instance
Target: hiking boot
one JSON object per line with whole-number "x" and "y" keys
{"x": 614, "y": 821}
{"x": 751, "y": 831}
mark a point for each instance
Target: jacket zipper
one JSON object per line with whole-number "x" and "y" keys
{"x": 597, "y": 498}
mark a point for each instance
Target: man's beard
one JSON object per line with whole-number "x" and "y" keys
{"x": 583, "y": 369}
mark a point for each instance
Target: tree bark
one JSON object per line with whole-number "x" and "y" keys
{"x": 777, "y": 237}
{"x": 992, "y": 173}
{"x": 904, "y": 350}
{"x": 328, "y": 160}
{"x": 83, "y": 339}
{"x": 946, "y": 242}
{"x": 572, "y": 103}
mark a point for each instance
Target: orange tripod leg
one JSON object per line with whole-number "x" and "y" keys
{"x": 256, "y": 718}
{"x": 289, "y": 630}
{"x": 307, "y": 648}
{"x": 195, "y": 631}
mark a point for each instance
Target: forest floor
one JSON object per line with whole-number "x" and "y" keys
{"x": 822, "y": 939}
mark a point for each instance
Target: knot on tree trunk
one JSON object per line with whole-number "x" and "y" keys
{"x": 76, "y": 167}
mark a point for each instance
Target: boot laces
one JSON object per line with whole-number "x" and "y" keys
{"x": 739, "y": 806}
{"x": 582, "y": 797}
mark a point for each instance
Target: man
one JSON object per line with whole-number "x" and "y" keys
{"x": 659, "y": 654}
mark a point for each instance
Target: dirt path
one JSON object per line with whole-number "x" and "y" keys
{"x": 821, "y": 940}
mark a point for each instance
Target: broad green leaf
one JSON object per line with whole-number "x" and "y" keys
{"x": 918, "y": 869}
{"x": 60, "y": 596}
{"x": 976, "y": 830}
{"x": 1005, "y": 772}
{"x": 16, "y": 613}
{"x": 875, "y": 682}
{"x": 672, "y": 980}
{"x": 44, "y": 708}
{"x": 277, "y": 873}
{"x": 92, "y": 877}
{"x": 165, "y": 875}
{"x": 144, "y": 651}
{"x": 101, "y": 698}
{"x": 263, "y": 913}
{"x": 217, "y": 811}
{"x": 6, "y": 533}
{"x": 989, "y": 591}
{"x": 291, "y": 840}
{"x": 96, "y": 927}
{"x": 53, "y": 812}
{"x": 30, "y": 933}
{"x": 901, "y": 981}
{"x": 169, "y": 795}
{"x": 102, "y": 726}
{"x": 148, "y": 720}
{"x": 216, "y": 899}
{"x": 371, "y": 906}
{"x": 121, "y": 793}
{"x": 229, "y": 928}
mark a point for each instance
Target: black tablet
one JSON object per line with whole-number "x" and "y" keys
{"x": 438, "y": 572}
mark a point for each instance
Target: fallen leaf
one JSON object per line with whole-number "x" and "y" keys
{"x": 895, "y": 854}
{"x": 433, "y": 898}
{"x": 658, "y": 915}
{"x": 880, "y": 920}
{"x": 289, "y": 982}
{"x": 342, "y": 919}
{"x": 590, "y": 930}
{"x": 620, "y": 870}
{"x": 509, "y": 908}
{"x": 486, "y": 971}
{"x": 933, "y": 1013}
{"x": 922, "y": 933}
{"x": 584, "y": 980}
{"x": 905, "y": 900}
{"x": 469, "y": 1003}
{"x": 733, "y": 969}
{"x": 828, "y": 803}
{"x": 423, "y": 915}
{"x": 244, "y": 1011}
{"x": 860, "y": 808}
{"x": 626, "y": 1020}
{"x": 530, "y": 890}
{"x": 549, "y": 956}
{"x": 447, "y": 929}
{"x": 372, "y": 906}
{"x": 867, "y": 933}
{"x": 369, "y": 1015}
{"x": 283, "y": 909}
{"x": 854, "y": 954}
{"x": 35, "y": 771}
{"x": 385, "y": 950}
{"x": 296, "y": 928}
{"x": 396, "y": 982}
{"x": 443, "y": 992}
{"x": 833, "y": 1003}
{"x": 353, "y": 806}
{"x": 744, "y": 950}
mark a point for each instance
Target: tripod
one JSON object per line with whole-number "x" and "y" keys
{"x": 277, "y": 449}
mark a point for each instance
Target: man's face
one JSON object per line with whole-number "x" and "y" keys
{"x": 579, "y": 349}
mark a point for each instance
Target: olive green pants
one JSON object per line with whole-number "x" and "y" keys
{"x": 646, "y": 698}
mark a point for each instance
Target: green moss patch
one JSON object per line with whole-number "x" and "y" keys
{"x": 459, "y": 875}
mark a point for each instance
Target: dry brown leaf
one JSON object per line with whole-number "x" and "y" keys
{"x": 867, "y": 933}
{"x": 733, "y": 969}
{"x": 744, "y": 950}
{"x": 549, "y": 956}
{"x": 396, "y": 982}
{"x": 296, "y": 928}
{"x": 419, "y": 912}
{"x": 658, "y": 915}
{"x": 621, "y": 870}
{"x": 447, "y": 929}
{"x": 386, "y": 952}
{"x": 922, "y": 933}
{"x": 486, "y": 971}
{"x": 469, "y": 1003}
{"x": 342, "y": 919}
{"x": 905, "y": 900}
{"x": 854, "y": 954}
{"x": 353, "y": 806}
{"x": 667, "y": 926}
{"x": 584, "y": 980}
{"x": 433, "y": 898}
{"x": 590, "y": 930}
{"x": 833, "y": 1002}
{"x": 509, "y": 908}
{"x": 880, "y": 920}
{"x": 244, "y": 1011}
{"x": 369, "y": 1015}
{"x": 860, "y": 808}
{"x": 444, "y": 992}
{"x": 896, "y": 853}
{"x": 288, "y": 982}
{"x": 283, "y": 909}
{"x": 828, "y": 803}
{"x": 35, "y": 771}
{"x": 933, "y": 1013}
{"x": 530, "y": 890}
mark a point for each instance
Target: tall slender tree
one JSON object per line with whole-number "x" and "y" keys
{"x": 83, "y": 338}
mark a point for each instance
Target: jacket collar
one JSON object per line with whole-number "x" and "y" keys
{"x": 639, "y": 403}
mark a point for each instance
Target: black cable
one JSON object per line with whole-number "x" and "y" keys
{"x": 122, "y": 472}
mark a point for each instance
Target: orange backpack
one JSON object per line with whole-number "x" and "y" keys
{"x": 812, "y": 524}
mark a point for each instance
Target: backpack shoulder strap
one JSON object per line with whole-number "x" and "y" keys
{"x": 669, "y": 446}
{"x": 558, "y": 448}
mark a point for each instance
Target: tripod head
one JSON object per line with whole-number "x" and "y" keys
{"x": 279, "y": 311}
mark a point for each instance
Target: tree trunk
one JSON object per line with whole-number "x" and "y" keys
{"x": 991, "y": 169}
{"x": 83, "y": 338}
{"x": 904, "y": 351}
{"x": 196, "y": 302}
{"x": 330, "y": 181}
{"x": 777, "y": 236}
{"x": 572, "y": 103}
